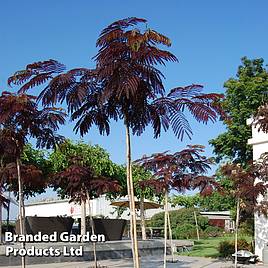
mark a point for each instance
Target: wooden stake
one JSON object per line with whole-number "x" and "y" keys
{"x": 142, "y": 211}
{"x": 196, "y": 225}
{"x": 131, "y": 197}
{"x": 21, "y": 218}
{"x": 165, "y": 228}
{"x": 92, "y": 231}
{"x": 236, "y": 229}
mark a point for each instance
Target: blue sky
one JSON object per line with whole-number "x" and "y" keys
{"x": 209, "y": 37}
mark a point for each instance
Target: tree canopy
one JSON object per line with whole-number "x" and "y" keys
{"x": 75, "y": 164}
{"x": 244, "y": 94}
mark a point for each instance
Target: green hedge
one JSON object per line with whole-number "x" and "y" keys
{"x": 227, "y": 248}
{"x": 183, "y": 224}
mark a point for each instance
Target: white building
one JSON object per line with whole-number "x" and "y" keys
{"x": 259, "y": 142}
{"x": 99, "y": 207}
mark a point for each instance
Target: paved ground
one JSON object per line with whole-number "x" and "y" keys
{"x": 148, "y": 262}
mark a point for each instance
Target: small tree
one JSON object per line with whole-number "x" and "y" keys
{"x": 245, "y": 191}
{"x": 94, "y": 157}
{"x": 21, "y": 119}
{"x": 180, "y": 171}
{"x": 81, "y": 183}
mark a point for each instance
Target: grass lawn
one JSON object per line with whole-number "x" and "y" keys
{"x": 208, "y": 247}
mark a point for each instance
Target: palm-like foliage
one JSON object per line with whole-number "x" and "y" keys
{"x": 78, "y": 182}
{"x": 21, "y": 119}
{"x": 81, "y": 183}
{"x": 125, "y": 84}
{"x": 245, "y": 188}
{"x": 33, "y": 179}
{"x": 180, "y": 171}
{"x": 247, "y": 191}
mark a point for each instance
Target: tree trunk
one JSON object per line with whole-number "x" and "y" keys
{"x": 131, "y": 197}
{"x": 93, "y": 231}
{"x": 83, "y": 217}
{"x": 1, "y": 240}
{"x": 1, "y": 204}
{"x": 165, "y": 228}
{"x": 236, "y": 229}
{"x": 196, "y": 225}
{"x": 8, "y": 211}
{"x": 170, "y": 237}
{"x": 21, "y": 208}
{"x": 142, "y": 211}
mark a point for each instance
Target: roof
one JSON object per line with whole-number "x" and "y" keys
{"x": 47, "y": 201}
{"x": 217, "y": 215}
{"x": 222, "y": 213}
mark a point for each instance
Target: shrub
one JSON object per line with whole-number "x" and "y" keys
{"x": 178, "y": 218}
{"x": 243, "y": 244}
{"x": 213, "y": 231}
{"x": 247, "y": 227}
{"x": 227, "y": 248}
{"x": 185, "y": 231}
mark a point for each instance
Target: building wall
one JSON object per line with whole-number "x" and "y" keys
{"x": 217, "y": 222}
{"x": 259, "y": 141}
{"x": 48, "y": 208}
{"x": 99, "y": 206}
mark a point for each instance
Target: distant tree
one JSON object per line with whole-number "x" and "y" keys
{"x": 218, "y": 201}
{"x": 243, "y": 97}
{"x": 188, "y": 202}
{"x": 92, "y": 156}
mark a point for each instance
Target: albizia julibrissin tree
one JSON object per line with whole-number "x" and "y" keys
{"x": 21, "y": 119}
{"x": 125, "y": 84}
{"x": 249, "y": 187}
{"x": 80, "y": 182}
{"x": 180, "y": 171}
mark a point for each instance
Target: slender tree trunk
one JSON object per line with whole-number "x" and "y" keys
{"x": 170, "y": 237}
{"x": 1, "y": 204}
{"x": 1, "y": 218}
{"x": 142, "y": 211}
{"x": 165, "y": 228}
{"x": 196, "y": 225}
{"x": 8, "y": 211}
{"x": 236, "y": 229}
{"x": 83, "y": 217}
{"x": 93, "y": 231}
{"x": 23, "y": 215}
{"x": 131, "y": 197}
{"x": 21, "y": 218}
